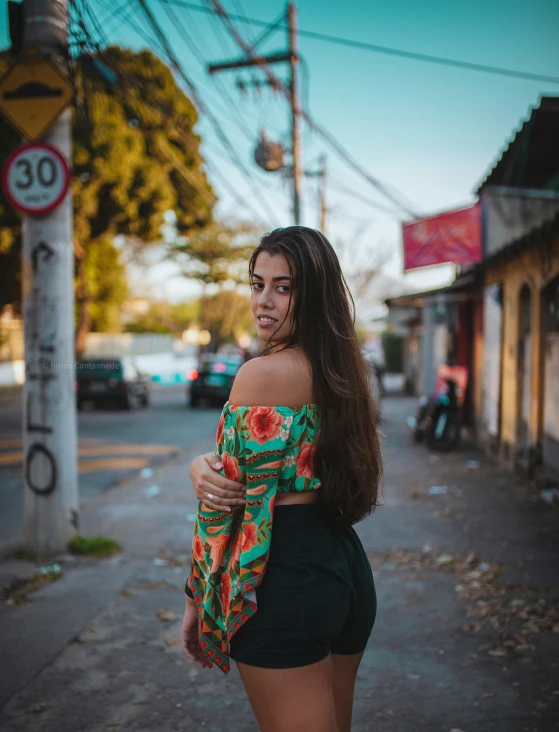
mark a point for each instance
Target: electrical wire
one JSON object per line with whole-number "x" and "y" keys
{"x": 395, "y": 197}
{"x": 239, "y": 119}
{"x": 411, "y": 55}
{"x": 203, "y": 108}
{"x": 360, "y": 197}
{"x": 95, "y": 46}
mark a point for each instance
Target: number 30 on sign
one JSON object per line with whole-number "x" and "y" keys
{"x": 35, "y": 178}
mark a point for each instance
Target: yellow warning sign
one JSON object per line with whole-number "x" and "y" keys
{"x": 32, "y": 95}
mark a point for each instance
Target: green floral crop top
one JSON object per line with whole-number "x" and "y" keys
{"x": 270, "y": 450}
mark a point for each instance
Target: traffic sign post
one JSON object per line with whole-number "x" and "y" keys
{"x": 34, "y": 96}
{"x": 36, "y": 178}
{"x": 33, "y": 93}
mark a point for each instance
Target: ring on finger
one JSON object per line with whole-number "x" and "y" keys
{"x": 210, "y": 496}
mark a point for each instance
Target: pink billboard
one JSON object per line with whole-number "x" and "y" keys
{"x": 449, "y": 237}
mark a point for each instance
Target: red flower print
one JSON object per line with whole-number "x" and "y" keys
{"x": 249, "y": 532}
{"x": 218, "y": 661}
{"x": 198, "y": 548}
{"x": 271, "y": 504}
{"x": 210, "y": 653}
{"x": 244, "y": 617}
{"x": 203, "y": 645}
{"x": 225, "y": 593}
{"x": 305, "y": 461}
{"x": 264, "y": 424}
{"x": 220, "y": 429}
{"x": 231, "y": 467}
{"x": 245, "y": 540}
{"x": 218, "y": 548}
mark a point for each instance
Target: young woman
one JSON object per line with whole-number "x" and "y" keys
{"x": 279, "y": 580}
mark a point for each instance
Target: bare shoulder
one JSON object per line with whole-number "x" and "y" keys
{"x": 282, "y": 378}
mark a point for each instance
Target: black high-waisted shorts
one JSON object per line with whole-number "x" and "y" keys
{"x": 317, "y": 596}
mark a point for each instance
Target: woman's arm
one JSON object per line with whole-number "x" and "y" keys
{"x": 206, "y": 479}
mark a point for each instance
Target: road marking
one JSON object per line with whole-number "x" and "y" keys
{"x": 94, "y": 448}
{"x": 96, "y": 466}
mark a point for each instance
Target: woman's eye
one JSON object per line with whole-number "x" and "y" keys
{"x": 256, "y": 285}
{"x": 283, "y": 288}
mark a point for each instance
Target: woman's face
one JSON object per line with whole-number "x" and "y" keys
{"x": 272, "y": 297}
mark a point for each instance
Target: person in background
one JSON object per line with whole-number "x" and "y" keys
{"x": 279, "y": 580}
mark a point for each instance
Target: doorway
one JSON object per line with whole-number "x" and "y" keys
{"x": 524, "y": 365}
{"x": 550, "y": 441}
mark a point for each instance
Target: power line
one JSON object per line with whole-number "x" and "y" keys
{"x": 96, "y": 45}
{"x": 216, "y": 171}
{"x": 330, "y": 139}
{"x": 360, "y": 197}
{"x": 198, "y": 101}
{"x": 195, "y": 48}
{"x": 364, "y": 46}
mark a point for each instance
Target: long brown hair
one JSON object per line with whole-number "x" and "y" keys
{"x": 348, "y": 459}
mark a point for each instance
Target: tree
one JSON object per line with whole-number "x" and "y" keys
{"x": 217, "y": 255}
{"x": 135, "y": 156}
{"x": 227, "y": 315}
{"x": 164, "y": 317}
{"x": 363, "y": 267}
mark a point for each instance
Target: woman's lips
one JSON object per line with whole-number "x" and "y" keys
{"x": 266, "y": 323}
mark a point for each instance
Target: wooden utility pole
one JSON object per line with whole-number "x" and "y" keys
{"x": 292, "y": 56}
{"x": 322, "y": 195}
{"x": 295, "y": 111}
{"x": 49, "y": 416}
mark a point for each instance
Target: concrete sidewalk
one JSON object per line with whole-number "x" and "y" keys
{"x": 467, "y": 636}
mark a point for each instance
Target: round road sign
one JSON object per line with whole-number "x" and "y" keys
{"x": 35, "y": 178}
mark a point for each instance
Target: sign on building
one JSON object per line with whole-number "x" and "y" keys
{"x": 449, "y": 237}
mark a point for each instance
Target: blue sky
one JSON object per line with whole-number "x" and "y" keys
{"x": 430, "y": 131}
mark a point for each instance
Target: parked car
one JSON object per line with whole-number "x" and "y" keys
{"x": 115, "y": 381}
{"x": 213, "y": 378}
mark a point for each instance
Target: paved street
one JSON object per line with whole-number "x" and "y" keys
{"x": 466, "y": 638}
{"x": 113, "y": 446}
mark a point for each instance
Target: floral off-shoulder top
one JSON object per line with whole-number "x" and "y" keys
{"x": 270, "y": 450}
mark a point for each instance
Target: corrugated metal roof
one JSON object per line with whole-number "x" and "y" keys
{"x": 531, "y": 159}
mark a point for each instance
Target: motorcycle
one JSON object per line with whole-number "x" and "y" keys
{"x": 438, "y": 419}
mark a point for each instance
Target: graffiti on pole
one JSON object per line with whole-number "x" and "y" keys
{"x": 42, "y": 340}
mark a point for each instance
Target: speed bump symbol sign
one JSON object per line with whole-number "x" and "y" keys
{"x": 33, "y": 93}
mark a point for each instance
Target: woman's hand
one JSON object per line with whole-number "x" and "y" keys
{"x": 207, "y": 481}
{"x": 190, "y": 642}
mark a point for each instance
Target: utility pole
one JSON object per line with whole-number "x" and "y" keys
{"x": 322, "y": 195}
{"x": 49, "y": 414}
{"x": 292, "y": 56}
{"x": 295, "y": 111}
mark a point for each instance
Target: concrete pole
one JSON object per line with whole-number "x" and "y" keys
{"x": 429, "y": 374}
{"x": 295, "y": 112}
{"x": 49, "y": 415}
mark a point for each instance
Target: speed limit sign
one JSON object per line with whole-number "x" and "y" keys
{"x": 35, "y": 178}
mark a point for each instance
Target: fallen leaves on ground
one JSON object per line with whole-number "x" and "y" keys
{"x": 512, "y": 614}
{"x": 167, "y": 616}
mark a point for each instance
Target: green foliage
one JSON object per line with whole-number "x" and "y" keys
{"x": 135, "y": 156}
{"x": 135, "y": 153}
{"x": 217, "y": 254}
{"x": 164, "y": 317}
{"x": 226, "y": 315}
{"x": 107, "y": 284}
{"x": 94, "y": 546}
{"x": 214, "y": 256}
